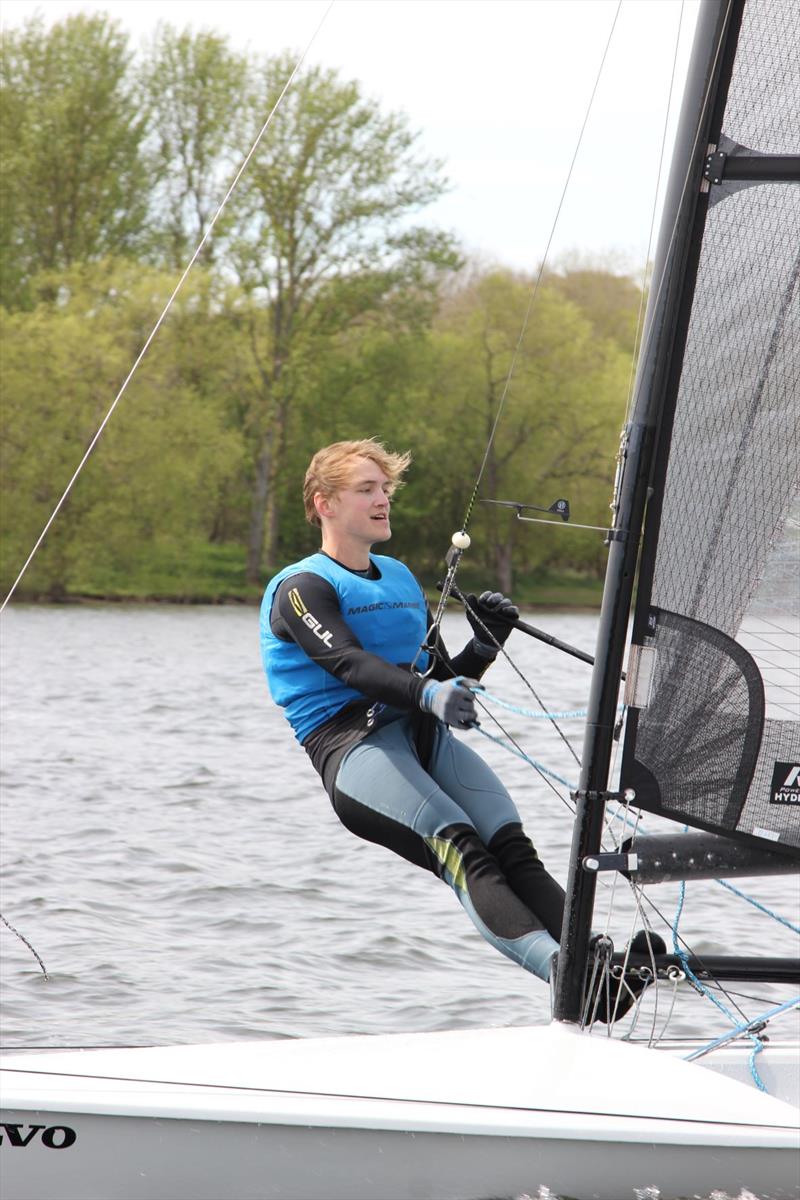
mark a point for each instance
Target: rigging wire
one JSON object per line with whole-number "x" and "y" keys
{"x": 687, "y": 949}
{"x": 749, "y": 1027}
{"x": 515, "y": 748}
{"x": 640, "y": 316}
{"x": 676, "y": 977}
{"x": 168, "y": 305}
{"x": 699, "y": 987}
{"x": 684, "y": 950}
{"x": 639, "y": 917}
{"x": 742, "y": 995}
{"x": 690, "y": 163}
{"x": 746, "y": 1027}
{"x": 521, "y": 675}
{"x": 545, "y": 774}
{"x": 455, "y": 556}
{"x": 535, "y": 288}
{"x": 698, "y": 983}
{"x": 638, "y": 891}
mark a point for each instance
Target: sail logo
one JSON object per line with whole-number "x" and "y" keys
{"x": 785, "y": 784}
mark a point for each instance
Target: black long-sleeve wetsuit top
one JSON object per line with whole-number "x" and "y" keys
{"x": 383, "y": 684}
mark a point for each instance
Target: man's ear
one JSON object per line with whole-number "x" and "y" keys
{"x": 324, "y": 505}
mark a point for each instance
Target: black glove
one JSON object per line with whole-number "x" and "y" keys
{"x": 451, "y": 702}
{"x": 494, "y": 612}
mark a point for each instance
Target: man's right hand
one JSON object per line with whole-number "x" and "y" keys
{"x": 451, "y": 702}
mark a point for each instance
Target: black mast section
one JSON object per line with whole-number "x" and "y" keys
{"x": 657, "y": 382}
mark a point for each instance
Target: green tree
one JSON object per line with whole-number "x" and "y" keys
{"x": 369, "y": 381}
{"x": 325, "y": 243}
{"x": 155, "y": 481}
{"x": 74, "y": 183}
{"x": 194, "y": 84}
{"x": 560, "y": 423}
{"x": 611, "y": 302}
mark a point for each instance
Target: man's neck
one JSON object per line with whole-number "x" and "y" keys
{"x": 354, "y": 555}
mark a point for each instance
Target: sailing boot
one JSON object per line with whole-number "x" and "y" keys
{"x": 615, "y": 997}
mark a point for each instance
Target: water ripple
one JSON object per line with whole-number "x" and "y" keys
{"x": 170, "y": 853}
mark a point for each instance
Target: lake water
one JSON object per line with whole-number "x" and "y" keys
{"x": 170, "y": 853}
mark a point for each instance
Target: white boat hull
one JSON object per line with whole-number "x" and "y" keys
{"x": 464, "y": 1115}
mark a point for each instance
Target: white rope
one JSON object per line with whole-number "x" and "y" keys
{"x": 168, "y": 305}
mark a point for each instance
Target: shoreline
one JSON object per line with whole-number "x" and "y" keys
{"x": 551, "y": 598}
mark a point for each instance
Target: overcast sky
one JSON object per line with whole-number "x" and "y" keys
{"x": 498, "y": 89}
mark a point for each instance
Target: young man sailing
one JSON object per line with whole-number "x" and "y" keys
{"x": 339, "y": 632}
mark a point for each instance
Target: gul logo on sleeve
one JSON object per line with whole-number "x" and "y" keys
{"x": 297, "y": 602}
{"x": 324, "y": 635}
{"x": 785, "y": 784}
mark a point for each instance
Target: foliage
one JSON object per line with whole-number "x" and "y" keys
{"x": 194, "y": 85}
{"x": 164, "y": 460}
{"x": 74, "y": 184}
{"x": 323, "y": 246}
{"x": 319, "y": 311}
{"x": 611, "y": 302}
{"x": 562, "y": 395}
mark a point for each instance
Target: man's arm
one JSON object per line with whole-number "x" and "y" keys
{"x": 469, "y": 662}
{"x": 492, "y": 617}
{"x": 306, "y": 610}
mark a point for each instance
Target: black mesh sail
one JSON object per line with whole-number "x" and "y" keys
{"x": 713, "y": 732}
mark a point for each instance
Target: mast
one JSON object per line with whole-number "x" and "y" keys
{"x": 658, "y": 376}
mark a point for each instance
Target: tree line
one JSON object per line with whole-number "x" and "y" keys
{"x": 320, "y": 309}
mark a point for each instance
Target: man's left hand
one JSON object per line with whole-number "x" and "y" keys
{"x": 492, "y": 612}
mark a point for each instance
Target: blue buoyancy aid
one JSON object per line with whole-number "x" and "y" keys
{"x": 387, "y": 615}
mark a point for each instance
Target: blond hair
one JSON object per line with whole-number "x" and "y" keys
{"x": 332, "y": 468}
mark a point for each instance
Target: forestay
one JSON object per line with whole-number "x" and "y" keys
{"x": 713, "y": 737}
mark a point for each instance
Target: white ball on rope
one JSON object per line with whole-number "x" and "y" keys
{"x": 461, "y": 540}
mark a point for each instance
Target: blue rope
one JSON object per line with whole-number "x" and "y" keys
{"x": 744, "y": 1027}
{"x": 758, "y": 1046}
{"x": 762, "y": 907}
{"x": 742, "y": 895}
{"x": 704, "y": 991}
{"x": 682, "y": 954}
{"x": 535, "y": 714}
{"x": 521, "y": 754}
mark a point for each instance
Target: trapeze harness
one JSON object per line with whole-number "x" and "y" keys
{"x": 337, "y": 645}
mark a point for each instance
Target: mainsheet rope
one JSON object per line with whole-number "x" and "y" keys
{"x": 168, "y": 305}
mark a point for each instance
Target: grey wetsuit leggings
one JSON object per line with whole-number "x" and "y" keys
{"x": 455, "y": 818}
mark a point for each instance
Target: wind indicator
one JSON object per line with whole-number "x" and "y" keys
{"x": 559, "y": 508}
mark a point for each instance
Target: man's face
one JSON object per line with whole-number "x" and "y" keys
{"x": 361, "y": 509}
